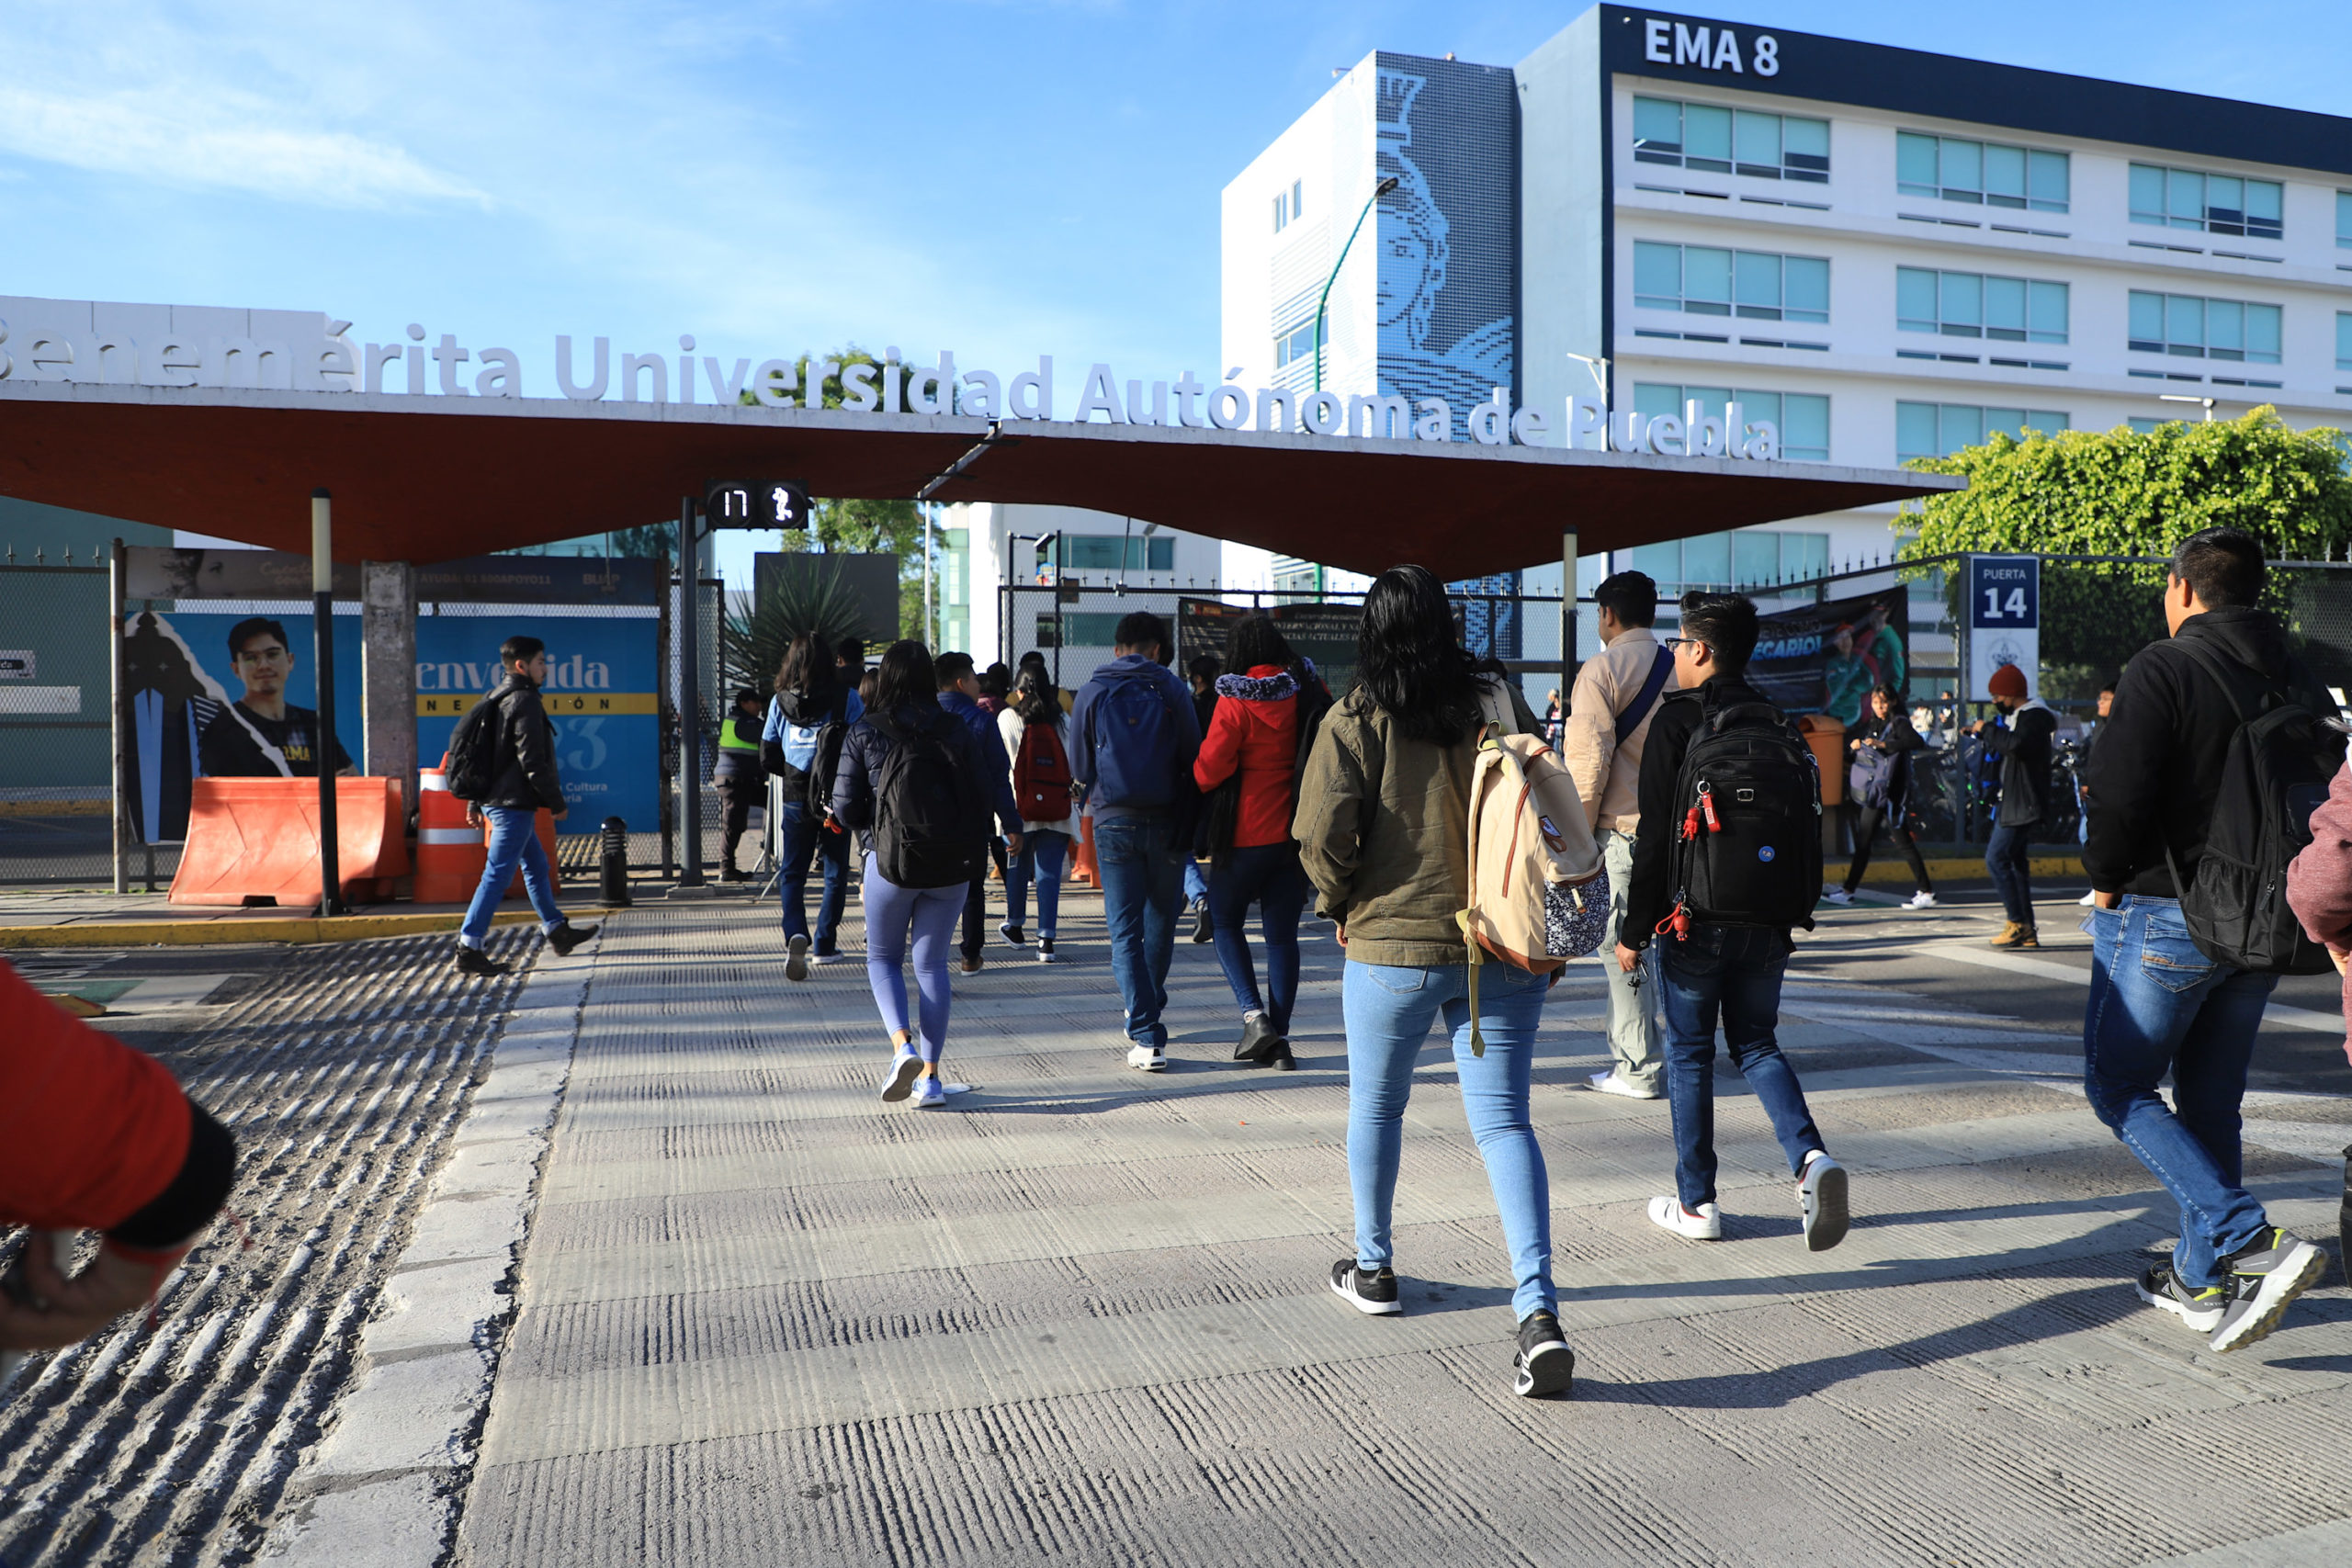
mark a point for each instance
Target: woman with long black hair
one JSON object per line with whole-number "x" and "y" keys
{"x": 906, "y": 712}
{"x": 808, "y": 697}
{"x": 1041, "y": 786}
{"x": 1263, "y": 723}
{"x": 1383, "y": 834}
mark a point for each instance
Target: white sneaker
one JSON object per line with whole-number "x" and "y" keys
{"x": 1149, "y": 1058}
{"x": 901, "y": 1075}
{"x": 1609, "y": 1082}
{"x": 929, "y": 1093}
{"x": 1920, "y": 901}
{"x": 1703, "y": 1224}
{"x": 2089, "y": 900}
{"x": 1821, "y": 1198}
{"x": 1836, "y": 895}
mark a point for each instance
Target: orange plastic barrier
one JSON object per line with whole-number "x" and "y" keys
{"x": 1082, "y": 852}
{"x": 1828, "y": 738}
{"x": 450, "y": 855}
{"x": 259, "y": 838}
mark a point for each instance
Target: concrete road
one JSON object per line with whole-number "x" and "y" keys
{"x": 1081, "y": 1316}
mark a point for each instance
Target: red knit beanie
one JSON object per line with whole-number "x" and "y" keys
{"x": 2008, "y": 680}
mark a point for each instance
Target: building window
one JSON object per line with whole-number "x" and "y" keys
{"x": 1287, "y": 205}
{"x": 1748, "y": 558}
{"x": 1754, "y": 285}
{"x": 1296, "y": 344}
{"x": 1982, "y": 173}
{"x": 2192, "y": 328}
{"x": 1078, "y": 628}
{"x": 1282, "y": 212}
{"x": 1723, "y": 141}
{"x": 1938, "y": 430}
{"x": 2344, "y": 220}
{"x": 2218, "y": 203}
{"x": 1969, "y": 304}
{"x": 2144, "y": 427}
{"x": 2343, "y": 340}
{"x": 1102, "y": 552}
{"x": 1801, "y": 418}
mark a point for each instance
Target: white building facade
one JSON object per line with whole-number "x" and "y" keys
{"x": 1888, "y": 254}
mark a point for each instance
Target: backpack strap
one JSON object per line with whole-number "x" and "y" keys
{"x": 1639, "y": 709}
{"x": 1494, "y": 708}
{"x": 2216, "y": 664}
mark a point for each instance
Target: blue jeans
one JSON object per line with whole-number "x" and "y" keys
{"x": 1196, "y": 887}
{"x": 891, "y": 912}
{"x": 1269, "y": 877}
{"x": 1733, "y": 971}
{"x": 1040, "y": 859}
{"x": 514, "y": 841}
{"x": 2157, "y": 1002}
{"x": 803, "y": 834}
{"x": 1388, "y": 1013}
{"x": 2007, "y": 857}
{"x": 1143, "y": 892}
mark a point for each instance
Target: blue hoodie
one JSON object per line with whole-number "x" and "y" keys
{"x": 1120, "y": 777}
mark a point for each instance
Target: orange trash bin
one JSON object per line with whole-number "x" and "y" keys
{"x": 449, "y": 854}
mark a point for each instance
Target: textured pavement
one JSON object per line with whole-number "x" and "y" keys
{"x": 1081, "y": 1317}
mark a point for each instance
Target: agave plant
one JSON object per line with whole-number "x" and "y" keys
{"x": 812, "y": 597}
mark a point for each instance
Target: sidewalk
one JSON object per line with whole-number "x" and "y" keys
{"x": 1082, "y": 1317}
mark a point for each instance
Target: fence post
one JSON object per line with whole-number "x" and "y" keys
{"x": 115, "y": 563}
{"x": 1568, "y": 628}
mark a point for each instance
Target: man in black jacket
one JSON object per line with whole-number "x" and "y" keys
{"x": 522, "y": 780}
{"x": 1711, "y": 970}
{"x": 2157, "y": 1002}
{"x": 2023, "y": 744}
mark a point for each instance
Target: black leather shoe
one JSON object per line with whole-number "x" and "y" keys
{"x": 566, "y": 936}
{"x": 474, "y": 961}
{"x": 1257, "y": 1036}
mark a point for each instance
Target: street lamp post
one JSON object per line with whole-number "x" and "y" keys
{"x": 1382, "y": 188}
{"x": 2207, "y": 403}
{"x": 1004, "y": 629}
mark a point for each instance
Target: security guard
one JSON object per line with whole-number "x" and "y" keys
{"x": 741, "y": 781}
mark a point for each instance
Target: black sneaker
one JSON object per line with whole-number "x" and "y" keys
{"x": 1202, "y": 929}
{"x": 566, "y": 936}
{"x": 1374, "y": 1294}
{"x": 474, "y": 961}
{"x": 1013, "y": 934}
{"x": 1045, "y": 950}
{"x": 2265, "y": 1279}
{"x": 2202, "y": 1310}
{"x": 1544, "y": 1364}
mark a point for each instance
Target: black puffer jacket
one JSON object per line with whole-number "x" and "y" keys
{"x": 523, "y": 778}
{"x": 2157, "y": 770}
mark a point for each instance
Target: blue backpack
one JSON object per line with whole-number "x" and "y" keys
{"x": 1134, "y": 745}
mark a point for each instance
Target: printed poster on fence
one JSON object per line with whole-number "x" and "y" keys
{"x": 1827, "y": 658}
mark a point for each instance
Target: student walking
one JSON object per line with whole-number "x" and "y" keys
{"x": 1202, "y": 669}
{"x": 1133, "y": 738}
{"x": 503, "y": 766}
{"x": 1611, "y": 706}
{"x": 808, "y": 719}
{"x": 2163, "y": 794}
{"x": 738, "y": 776}
{"x": 1037, "y": 737}
{"x": 1383, "y": 835}
{"x": 921, "y": 786}
{"x": 2023, "y": 743}
{"x": 1881, "y": 745}
{"x": 1726, "y": 861}
{"x": 959, "y": 694}
{"x": 1247, "y": 772}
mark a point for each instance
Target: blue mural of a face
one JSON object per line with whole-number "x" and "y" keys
{"x": 1445, "y": 320}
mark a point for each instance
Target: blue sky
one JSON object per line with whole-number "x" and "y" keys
{"x": 998, "y": 178}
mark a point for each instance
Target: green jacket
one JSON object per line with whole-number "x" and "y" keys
{"x": 1384, "y": 833}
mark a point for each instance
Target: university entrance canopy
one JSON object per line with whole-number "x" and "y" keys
{"x": 423, "y": 479}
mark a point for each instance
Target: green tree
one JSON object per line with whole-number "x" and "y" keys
{"x": 2124, "y": 492}
{"x": 818, "y": 601}
{"x": 894, "y": 526}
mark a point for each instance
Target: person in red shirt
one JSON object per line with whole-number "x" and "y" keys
{"x": 94, "y": 1135}
{"x": 1267, "y": 712}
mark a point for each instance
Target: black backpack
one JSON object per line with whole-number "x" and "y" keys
{"x": 1748, "y": 850}
{"x": 827, "y": 761}
{"x": 929, "y": 820}
{"x": 471, "y": 767}
{"x": 2276, "y": 772}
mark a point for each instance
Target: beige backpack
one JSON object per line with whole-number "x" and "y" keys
{"x": 1538, "y": 895}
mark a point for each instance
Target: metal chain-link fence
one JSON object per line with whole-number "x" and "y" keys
{"x": 56, "y": 691}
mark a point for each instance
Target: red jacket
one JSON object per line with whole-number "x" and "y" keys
{"x": 1255, "y": 731}
{"x": 91, "y": 1130}
{"x": 2319, "y": 881}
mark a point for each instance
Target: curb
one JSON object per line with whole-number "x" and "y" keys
{"x": 209, "y": 932}
{"x": 381, "y": 1489}
{"x": 1886, "y": 865}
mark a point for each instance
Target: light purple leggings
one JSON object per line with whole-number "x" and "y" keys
{"x": 931, "y": 913}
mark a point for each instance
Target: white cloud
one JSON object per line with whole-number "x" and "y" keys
{"x": 221, "y": 143}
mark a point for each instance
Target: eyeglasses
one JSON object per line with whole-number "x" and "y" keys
{"x": 1676, "y": 644}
